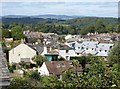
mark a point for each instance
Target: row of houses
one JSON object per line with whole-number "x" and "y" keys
{"x": 25, "y": 52}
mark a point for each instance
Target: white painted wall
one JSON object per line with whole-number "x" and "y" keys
{"x": 21, "y": 51}
{"x": 44, "y": 51}
{"x": 43, "y": 70}
{"x": 71, "y": 53}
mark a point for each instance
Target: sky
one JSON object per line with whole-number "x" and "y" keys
{"x": 99, "y": 8}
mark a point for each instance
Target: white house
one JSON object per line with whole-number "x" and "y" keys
{"x": 67, "y": 52}
{"x": 22, "y": 52}
{"x": 57, "y": 67}
{"x": 95, "y": 48}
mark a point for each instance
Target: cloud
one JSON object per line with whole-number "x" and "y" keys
{"x": 59, "y": 0}
{"x": 61, "y": 8}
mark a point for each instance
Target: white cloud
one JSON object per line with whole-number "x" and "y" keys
{"x": 106, "y": 9}
{"x": 60, "y": 1}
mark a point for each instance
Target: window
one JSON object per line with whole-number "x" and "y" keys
{"x": 100, "y": 50}
{"x": 92, "y": 48}
{"x": 67, "y": 57}
{"x": 18, "y": 54}
{"x": 77, "y": 53}
{"x": 67, "y": 51}
{"x": 82, "y": 48}
{"x": 110, "y": 47}
{"x": 78, "y": 47}
{"x": 105, "y": 50}
{"x": 86, "y": 48}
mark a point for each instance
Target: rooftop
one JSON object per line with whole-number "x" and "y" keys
{"x": 57, "y": 67}
{"x": 4, "y": 73}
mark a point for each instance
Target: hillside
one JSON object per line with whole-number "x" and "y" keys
{"x": 81, "y": 25}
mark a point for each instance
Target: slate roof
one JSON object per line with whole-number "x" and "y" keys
{"x": 38, "y": 47}
{"x": 65, "y": 47}
{"x": 57, "y": 67}
{"x": 96, "y": 48}
{"x": 4, "y": 73}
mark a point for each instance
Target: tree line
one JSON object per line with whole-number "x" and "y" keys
{"x": 69, "y": 26}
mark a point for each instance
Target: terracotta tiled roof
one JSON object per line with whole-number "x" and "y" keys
{"x": 57, "y": 67}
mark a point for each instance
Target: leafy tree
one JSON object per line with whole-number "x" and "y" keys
{"x": 17, "y": 33}
{"x": 114, "y": 55}
{"x": 51, "y": 82}
{"x": 6, "y": 33}
{"x": 118, "y": 28}
{"x": 39, "y": 59}
{"x": 19, "y": 83}
{"x": 68, "y": 77}
{"x": 33, "y": 75}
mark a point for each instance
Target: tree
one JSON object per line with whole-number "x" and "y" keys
{"x": 39, "y": 59}
{"x": 6, "y": 33}
{"x": 114, "y": 55}
{"x": 17, "y": 33}
{"x": 51, "y": 82}
{"x": 19, "y": 83}
{"x": 61, "y": 38}
{"x": 33, "y": 75}
{"x": 68, "y": 79}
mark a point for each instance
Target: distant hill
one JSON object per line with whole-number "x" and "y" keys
{"x": 62, "y": 24}
{"x": 42, "y": 16}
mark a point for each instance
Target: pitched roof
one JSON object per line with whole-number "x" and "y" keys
{"x": 57, "y": 67}
{"x": 38, "y": 47}
{"x": 65, "y": 47}
{"x": 4, "y": 73}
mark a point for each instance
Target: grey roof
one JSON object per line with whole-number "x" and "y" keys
{"x": 38, "y": 47}
{"x": 96, "y": 48}
{"x": 65, "y": 47}
{"x": 4, "y": 73}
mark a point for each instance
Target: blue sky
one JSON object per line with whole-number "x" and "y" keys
{"x": 100, "y": 9}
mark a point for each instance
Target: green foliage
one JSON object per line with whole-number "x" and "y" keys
{"x": 39, "y": 59}
{"x": 98, "y": 76}
{"x": 19, "y": 83}
{"x": 24, "y": 65}
{"x": 114, "y": 55}
{"x": 6, "y": 33}
{"x": 51, "y": 82}
{"x": 33, "y": 75}
{"x": 12, "y": 68}
{"x": 17, "y": 32}
{"x": 69, "y": 26}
